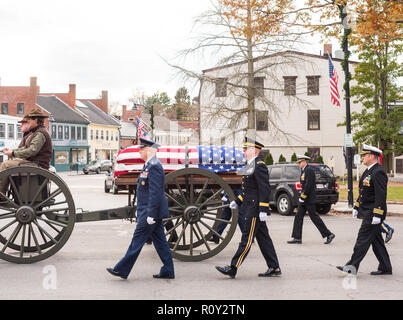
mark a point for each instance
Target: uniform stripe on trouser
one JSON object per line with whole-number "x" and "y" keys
{"x": 252, "y": 230}
{"x": 384, "y": 227}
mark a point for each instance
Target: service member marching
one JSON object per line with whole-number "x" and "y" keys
{"x": 152, "y": 207}
{"x": 255, "y": 205}
{"x": 307, "y": 202}
{"x": 371, "y": 208}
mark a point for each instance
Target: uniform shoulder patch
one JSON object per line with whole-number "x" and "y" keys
{"x": 260, "y": 162}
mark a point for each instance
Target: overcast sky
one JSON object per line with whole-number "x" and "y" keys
{"x": 97, "y": 44}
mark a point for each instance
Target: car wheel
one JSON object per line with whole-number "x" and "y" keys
{"x": 284, "y": 205}
{"x": 106, "y": 188}
{"x": 85, "y": 172}
{"x": 323, "y": 209}
{"x": 115, "y": 189}
{"x": 98, "y": 171}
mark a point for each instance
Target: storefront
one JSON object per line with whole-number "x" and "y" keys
{"x": 66, "y": 158}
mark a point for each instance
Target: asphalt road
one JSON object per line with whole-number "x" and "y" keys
{"x": 77, "y": 271}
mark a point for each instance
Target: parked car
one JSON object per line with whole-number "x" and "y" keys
{"x": 98, "y": 166}
{"x": 286, "y": 187}
{"x": 110, "y": 183}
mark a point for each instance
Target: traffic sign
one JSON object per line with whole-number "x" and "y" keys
{"x": 348, "y": 140}
{"x": 357, "y": 159}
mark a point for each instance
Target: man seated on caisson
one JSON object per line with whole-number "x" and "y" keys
{"x": 36, "y": 150}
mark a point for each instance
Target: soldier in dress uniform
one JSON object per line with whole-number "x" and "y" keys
{"x": 152, "y": 207}
{"x": 371, "y": 208}
{"x": 307, "y": 201}
{"x": 255, "y": 205}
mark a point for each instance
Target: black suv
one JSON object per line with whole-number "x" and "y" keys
{"x": 286, "y": 187}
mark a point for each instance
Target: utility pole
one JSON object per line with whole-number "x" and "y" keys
{"x": 345, "y": 65}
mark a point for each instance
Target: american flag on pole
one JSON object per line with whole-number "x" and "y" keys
{"x": 212, "y": 158}
{"x": 142, "y": 128}
{"x": 334, "y": 80}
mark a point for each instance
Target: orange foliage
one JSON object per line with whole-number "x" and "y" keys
{"x": 372, "y": 21}
{"x": 255, "y": 20}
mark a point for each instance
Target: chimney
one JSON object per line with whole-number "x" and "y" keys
{"x": 104, "y": 101}
{"x": 33, "y": 82}
{"x": 327, "y": 49}
{"x": 33, "y": 91}
{"x": 72, "y": 95}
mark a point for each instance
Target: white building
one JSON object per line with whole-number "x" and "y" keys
{"x": 301, "y": 117}
{"x": 10, "y": 133}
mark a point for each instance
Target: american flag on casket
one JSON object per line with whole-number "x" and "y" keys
{"x": 213, "y": 158}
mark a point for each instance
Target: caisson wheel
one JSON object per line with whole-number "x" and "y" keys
{"x": 37, "y": 214}
{"x": 196, "y": 208}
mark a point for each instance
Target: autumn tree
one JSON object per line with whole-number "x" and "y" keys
{"x": 378, "y": 38}
{"x": 241, "y": 34}
{"x": 374, "y": 30}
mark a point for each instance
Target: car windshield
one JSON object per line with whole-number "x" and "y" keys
{"x": 322, "y": 171}
{"x": 93, "y": 162}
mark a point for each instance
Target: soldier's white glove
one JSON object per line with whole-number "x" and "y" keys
{"x": 224, "y": 198}
{"x": 301, "y": 200}
{"x": 233, "y": 205}
{"x": 355, "y": 213}
{"x": 376, "y": 220}
{"x": 150, "y": 220}
{"x": 262, "y": 216}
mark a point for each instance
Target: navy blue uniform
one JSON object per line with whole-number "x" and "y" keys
{"x": 371, "y": 203}
{"x": 255, "y": 199}
{"x": 151, "y": 202}
{"x": 308, "y": 184}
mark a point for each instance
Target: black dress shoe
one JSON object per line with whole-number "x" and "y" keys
{"x": 380, "y": 272}
{"x": 293, "y": 240}
{"x": 214, "y": 238}
{"x": 329, "y": 238}
{"x": 163, "y": 276}
{"x": 115, "y": 273}
{"x": 389, "y": 235}
{"x": 271, "y": 272}
{"x": 227, "y": 270}
{"x": 348, "y": 269}
{"x": 149, "y": 241}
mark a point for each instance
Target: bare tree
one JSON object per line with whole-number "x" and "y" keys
{"x": 253, "y": 41}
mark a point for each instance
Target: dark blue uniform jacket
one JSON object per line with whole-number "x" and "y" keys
{"x": 151, "y": 200}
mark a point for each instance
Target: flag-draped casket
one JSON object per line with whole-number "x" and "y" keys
{"x": 213, "y": 158}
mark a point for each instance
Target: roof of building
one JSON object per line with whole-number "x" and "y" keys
{"x": 94, "y": 114}
{"x": 60, "y": 111}
{"x": 282, "y": 53}
{"x": 162, "y": 123}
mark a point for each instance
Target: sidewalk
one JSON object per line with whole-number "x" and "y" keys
{"x": 393, "y": 208}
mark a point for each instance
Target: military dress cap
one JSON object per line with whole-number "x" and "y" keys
{"x": 302, "y": 158}
{"x": 248, "y": 142}
{"x": 24, "y": 120}
{"x": 148, "y": 143}
{"x": 36, "y": 112}
{"x": 366, "y": 149}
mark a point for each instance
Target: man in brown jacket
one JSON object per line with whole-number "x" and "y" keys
{"x": 35, "y": 148}
{"x": 26, "y": 130}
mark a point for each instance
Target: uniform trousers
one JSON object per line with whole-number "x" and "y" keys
{"x": 256, "y": 228}
{"x": 142, "y": 233}
{"x": 370, "y": 234}
{"x": 317, "y": 221}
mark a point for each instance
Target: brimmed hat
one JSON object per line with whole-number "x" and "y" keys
{"x": 36, "y": 112}
{"x": 248, "y": 142}
{"x": 24, "y": 120}
{"x": 302, "y": 158}
{"x": 366, "y": 149}
{"x": 148, "y": 143}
